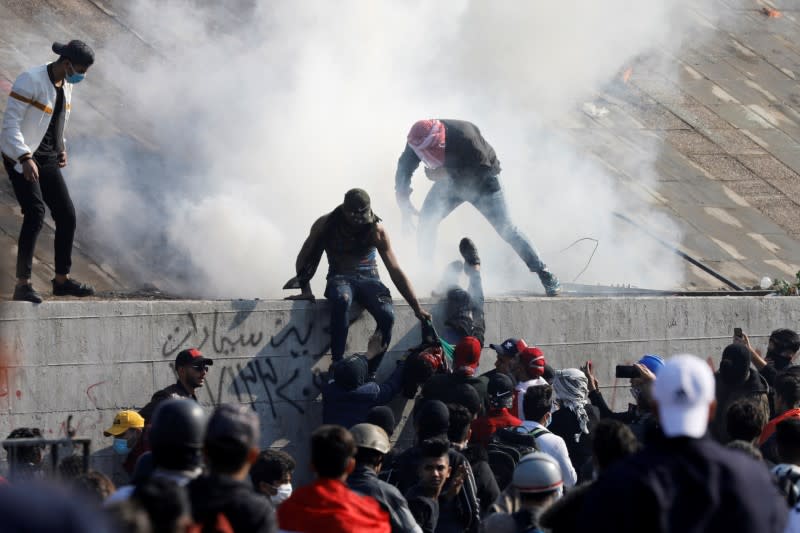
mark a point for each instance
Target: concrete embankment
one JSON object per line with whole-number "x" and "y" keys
{"x": 91, "y": 358}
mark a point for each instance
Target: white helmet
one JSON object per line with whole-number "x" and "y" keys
{"x": 372, "y": 437}
{"x": 537, "y": 472}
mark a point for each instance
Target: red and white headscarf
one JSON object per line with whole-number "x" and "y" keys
{"x": 427, "y": 139}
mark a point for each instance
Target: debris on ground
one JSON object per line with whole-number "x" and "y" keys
{"x": 594, "y": 110}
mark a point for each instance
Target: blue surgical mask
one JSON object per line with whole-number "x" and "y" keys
{"x": 549, "y": 420}
{"x": 75, "y": 77}
{"x": 121, "y": 446}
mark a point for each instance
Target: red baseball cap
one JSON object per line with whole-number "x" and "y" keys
{"x": 467, "y": 355}
{"x": 532, "y": 360}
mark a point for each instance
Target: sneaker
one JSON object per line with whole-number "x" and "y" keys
{"x": 550, "y": 282}
{"x": 72, "y": 288}
{"x": 26, "y": 293}
{"x": 469, "y": 252}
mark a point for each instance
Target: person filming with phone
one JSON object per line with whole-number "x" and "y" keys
{"x": 782, "y": 348}
{"x": 639, "y": 416}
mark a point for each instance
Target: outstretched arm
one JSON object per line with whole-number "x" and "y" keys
{"x": 398, "y": 276}
{"x": 308, "y": 259}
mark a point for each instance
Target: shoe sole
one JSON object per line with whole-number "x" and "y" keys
{"x": 468, "y": 260}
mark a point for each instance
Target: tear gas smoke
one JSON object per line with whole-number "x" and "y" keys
{"x": 258, "y": 117}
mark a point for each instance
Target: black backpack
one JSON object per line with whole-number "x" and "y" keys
{"x": 506, "y": 447}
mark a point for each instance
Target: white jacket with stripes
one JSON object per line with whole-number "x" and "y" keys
{"x": 28, "y": 113}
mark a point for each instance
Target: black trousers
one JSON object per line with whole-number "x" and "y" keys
{"x": 50, "y": 191}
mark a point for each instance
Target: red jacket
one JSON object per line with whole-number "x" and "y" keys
{"x": 328, "y": 506}
{"x": 484, "y": 427}
{"x": 769, "y": 429}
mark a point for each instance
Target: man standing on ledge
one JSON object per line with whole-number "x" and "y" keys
{"x": 34, "y": 152}
{"x": 464, "y": 168}
{"x": 352, "y": 236}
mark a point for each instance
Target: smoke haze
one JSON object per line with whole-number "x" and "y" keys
{"x": 254, "y": 121}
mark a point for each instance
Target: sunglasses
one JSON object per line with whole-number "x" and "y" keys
{"x": 200, "y": 368}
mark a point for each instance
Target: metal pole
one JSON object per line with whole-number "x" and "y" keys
{"x": 684, "y": 255}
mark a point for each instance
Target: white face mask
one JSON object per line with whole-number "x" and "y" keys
{"x": 284, "y": 491}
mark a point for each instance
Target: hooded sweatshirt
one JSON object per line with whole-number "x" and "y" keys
{"x": 327, "y": 505}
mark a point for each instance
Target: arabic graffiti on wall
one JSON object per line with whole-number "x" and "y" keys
{"x": 253, "y": 364}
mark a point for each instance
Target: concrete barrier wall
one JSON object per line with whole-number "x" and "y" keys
{"x": 90, "y": 359}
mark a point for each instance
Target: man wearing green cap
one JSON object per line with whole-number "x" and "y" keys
{"x": 352, "y": 237}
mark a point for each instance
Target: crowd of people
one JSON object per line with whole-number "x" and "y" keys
{"x": 525, "y": 447}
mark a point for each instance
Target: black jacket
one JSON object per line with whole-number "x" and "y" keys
{"x": 173, "y": 391}
{"x": 566, "y": 425}
{"x": 755, "y": 388}
{"x": 469, "y": 159}
{"x": 485, "y": 482}
{"x": 461, "y": 513}
{"x": 424, "y": 509}
{"x": 562, "y": 516}
{"x": 440, "y": 387}
{"x": 365, "y": 481}
{"x": 643, "y": 424}
{"x": 245, "y": 509}
{"x": 685, "y": 485}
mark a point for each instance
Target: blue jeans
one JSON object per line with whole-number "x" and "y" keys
{"x": 488, "y": 198}
{"x": 372, "y": 295}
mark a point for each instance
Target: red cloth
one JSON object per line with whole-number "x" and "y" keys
{"x": 769, "y": 429}
{"x": 328, "y": 506}
{"x": 484, "y": 427}
{"x": 427, "y": 139}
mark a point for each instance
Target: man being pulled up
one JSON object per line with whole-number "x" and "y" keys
{"x": 352, "y": 237}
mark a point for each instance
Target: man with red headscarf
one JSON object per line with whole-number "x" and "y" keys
{"x": 464, "y": 168}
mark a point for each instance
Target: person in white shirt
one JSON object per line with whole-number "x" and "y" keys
{"x": 34, "y": 151}
{"x": 537, "y": 405}
{"x": 528, "y": 370}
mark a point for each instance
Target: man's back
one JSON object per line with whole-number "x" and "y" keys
{"x": 685, "y": 485}
{"x": 242, "y": 507}
{"x": 328, "y": 505}
{"x": 365, "y": 481}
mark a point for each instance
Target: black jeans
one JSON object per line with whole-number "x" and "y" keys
{"x": 51, "y": 190}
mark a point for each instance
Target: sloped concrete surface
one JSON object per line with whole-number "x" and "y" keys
{"x": 724, "y": 112}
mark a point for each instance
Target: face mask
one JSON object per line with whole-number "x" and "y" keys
{"x": 284, "y": 491}
{"x": 778, "y": 361}
{"x": 75, "y": 77}
{"x": 121, "y": 446}
{"x": 636, "y": 392}
{"x": 548, "y": 421}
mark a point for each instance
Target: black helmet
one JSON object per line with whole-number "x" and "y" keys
{"x": 176, "y": 436}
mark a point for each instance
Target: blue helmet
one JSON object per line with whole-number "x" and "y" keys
{"x": 653, "y": 362}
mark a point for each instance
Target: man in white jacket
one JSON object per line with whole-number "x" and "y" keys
{"x": 34, "y": 152}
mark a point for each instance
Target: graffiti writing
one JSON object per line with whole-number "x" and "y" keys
{"x": 221, "y": 343}
{"x": 280, "y": 372}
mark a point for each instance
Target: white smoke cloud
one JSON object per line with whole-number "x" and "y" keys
{"x": 261, "y": 116}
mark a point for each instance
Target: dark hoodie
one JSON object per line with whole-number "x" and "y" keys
{"x": 736, "y": 379}
{"x": 243, "y": 508}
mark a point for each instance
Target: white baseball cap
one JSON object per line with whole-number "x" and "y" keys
{"x": 684, "y": 389}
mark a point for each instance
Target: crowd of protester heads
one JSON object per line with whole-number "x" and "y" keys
{"x": 525, "y": 447}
